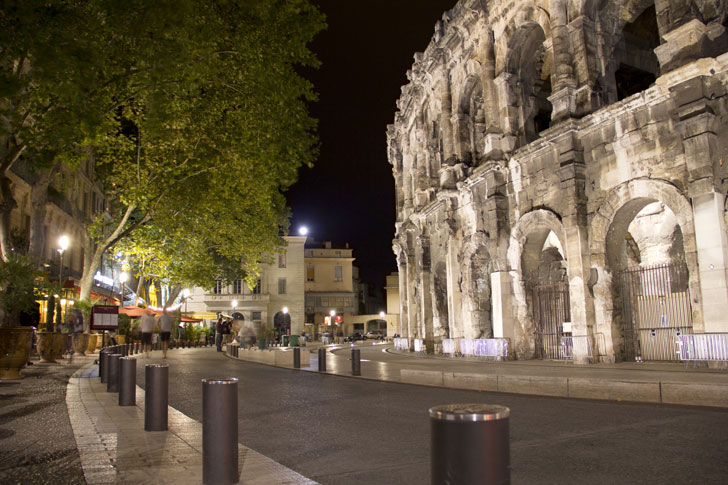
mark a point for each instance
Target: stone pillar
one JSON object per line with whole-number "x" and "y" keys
{"x": 446, "y": 106}
{"x": 585, "y": 55}
{"x": 454, "y": 301}
{"x": 572, "y": 177}
{"x": 563, "y": 98}
{"x": 425, "y": 291}
{"x": 501, "y": 285}
{"x": 712, "y": 245}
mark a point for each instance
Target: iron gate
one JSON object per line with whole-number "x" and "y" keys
{"x": 655, "y": 310}
{"x": 551, "y": 310}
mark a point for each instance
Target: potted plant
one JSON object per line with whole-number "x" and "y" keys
{"x": 86, "y": 306}
{"x": 124, "y": 331}
{"x": 51, "y": 342}
{"x": 17, "y": 296}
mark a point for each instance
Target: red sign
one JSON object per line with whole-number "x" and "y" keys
{"x": 105, "y": 317}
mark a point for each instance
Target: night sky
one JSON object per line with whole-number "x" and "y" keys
{"x": 348, "y": 196}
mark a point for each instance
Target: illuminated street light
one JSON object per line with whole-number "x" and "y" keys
{"x": 186, "y": 295}
{"x": 303, "y": 230}
{"x": 285, "y": 310}
{"x": 123, "y": 278}
{"x": 63, "y": 243}
{"x": 381, "y": 315}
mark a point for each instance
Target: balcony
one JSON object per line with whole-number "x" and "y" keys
{"x": 227, "y": 298}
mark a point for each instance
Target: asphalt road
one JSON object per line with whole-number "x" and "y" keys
{"x": 339, "y": 430}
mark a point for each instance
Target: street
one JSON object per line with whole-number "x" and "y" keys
{"x": 343, "y": 430}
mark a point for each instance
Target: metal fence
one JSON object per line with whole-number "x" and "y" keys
{"x": 703, "y": 347}
{"x": 551, "y": 309}
{"x": 420, "y": 345}
{"x": 577, "y": 345}
{"x": 401, "y": 344}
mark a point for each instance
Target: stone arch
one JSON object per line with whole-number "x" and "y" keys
{"x": 470, "y": 130}
{"x": 529, "y": 66}
{"x": 608, "y": 246}
{"x": 527, "y": 240}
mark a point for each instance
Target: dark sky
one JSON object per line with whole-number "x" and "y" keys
{"x": 349, "y": 194}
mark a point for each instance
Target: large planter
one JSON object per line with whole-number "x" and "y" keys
{"x": 15, "y": 343}
{"x": 80, "y": 343}
{"x": 92, "y": 338}
{"x": 51, "y": 346}
{"x": 121, "y": 339}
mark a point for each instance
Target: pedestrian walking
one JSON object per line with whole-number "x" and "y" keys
{"x": 219, "y": 328}
{"x": 165, "y": 330}
{"x": 146, "y": 326}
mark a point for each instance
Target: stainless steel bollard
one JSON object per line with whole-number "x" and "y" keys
{"x": 322, "y": 359}
{"x": 355, "y": 362}
{"x": 112, "y": 383}
{"x": 157, "y": 397}
{"x": 102, "y": 365}
{"x": 220, "y": 431}
{"x": 296, "y": 358}
{"x": 469, "y": 444}
{"x": 127, "y": 381}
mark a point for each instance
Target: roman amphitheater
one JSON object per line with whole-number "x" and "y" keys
{"x": 560, "y": 172}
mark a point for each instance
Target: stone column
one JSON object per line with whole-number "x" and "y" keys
{"x": 454, "y": 301}
{"x": 572, "y": 177}
{"x": 564, "y": 85}
{"x": 445, "y": 114}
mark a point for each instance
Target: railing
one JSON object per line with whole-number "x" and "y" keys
{"x": 449, "y": 346}
{"x": 485, "y": 347}
{"x": 401, "y": 344}
{"x": 703, "y": 347}
{"x": 420, "y": 345}
{"x": 579, "y": 344}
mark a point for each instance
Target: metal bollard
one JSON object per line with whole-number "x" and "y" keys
{"x": 157, "y": 397}
{"x": 355, "y": 362}
{"x": 102, "y": 365}
{"x": 296, "y": 357}
{"x": 322, "y": 359}
{"x": 112, "y": 382}
{"x": 127, "y": 381}
{"x": 469, "y": 444}
{"x": 220, "y": 431}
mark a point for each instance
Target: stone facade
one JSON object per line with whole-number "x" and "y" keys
{"x": 564, "y": 144}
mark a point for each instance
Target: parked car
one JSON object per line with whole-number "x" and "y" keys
{"x": 374, "y": 335}
{"x": 354, "y": 337}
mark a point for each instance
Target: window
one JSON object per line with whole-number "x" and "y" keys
{"x": 256, "y": 316}
{"x": 281, "y": 286}
{"x": 309, "y": 253}
{"x": 338, "y": 273}
{"x": 238, "y": 287}
{"x": 309, "y": 272}
{"x": 310, "y": 317}
{"x": 218, "y": 287}
{"x": 338, "y": 254}
{"x": 282, "y": 260}
{"x": 256, "y": 288}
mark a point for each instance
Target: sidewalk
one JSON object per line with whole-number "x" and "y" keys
{"x": 114, "y": 448}
{"x": 655, "y": 382}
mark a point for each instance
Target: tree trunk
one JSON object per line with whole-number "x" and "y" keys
{"x": 9, "y": 154}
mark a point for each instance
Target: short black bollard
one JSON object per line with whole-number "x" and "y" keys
{"x": 127, "y": 381}
{"x": 322, "y": 359}
{"x": 157, "y": 397}
{"x": 469, "y": 444}
{"x": 112, "y": 383}
{"x": 220, "y": 431}
{"x": 296, "y": 357}
{"x": 102, "y": 365}
{"x": 355, "y": 362}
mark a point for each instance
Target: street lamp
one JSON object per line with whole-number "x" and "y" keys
{"x": 303, "y": 230}
{"x": 123, "y": 278}
{"x": 381, "y": 315}
{"x": 284, "y": 310}
{"x": 235, "y": 305}
{"x": 63, "y": 243}
{"x": 333, "y": 325}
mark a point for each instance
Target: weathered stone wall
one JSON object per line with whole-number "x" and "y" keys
{"x": 560, "y": 142}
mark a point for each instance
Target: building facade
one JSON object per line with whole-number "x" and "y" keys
{"x": 277, "y": 301}
{"x": 560, "y": 172}
{"x": 329, "y": 286}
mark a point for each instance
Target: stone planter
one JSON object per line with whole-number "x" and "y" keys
{"x": 121, "y": 339}
{"x": 51, "y": 346}
{"x": 15, "y": 343}
{"x": 80, "y": 343}
{"x": 92, "y": 338}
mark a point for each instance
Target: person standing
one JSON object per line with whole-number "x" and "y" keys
{"x": 218, "y": 333}
{"x": 146, "y": 326}
{"x": 165, "y": 330}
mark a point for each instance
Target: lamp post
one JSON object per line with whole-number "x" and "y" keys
{"x": 123, "y": 278}
{"x": 333, "y": 325}
{"x": 63, "y": 243}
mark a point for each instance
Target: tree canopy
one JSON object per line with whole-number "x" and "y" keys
{"x": 194, "y": 114}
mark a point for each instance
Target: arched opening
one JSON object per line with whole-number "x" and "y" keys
{"x": 547, "y": 292}
{"x": 636, "y": 65}
{"x": 651, "y": 291}
{"x": 471, "y": 129}
{"x": 531, "y": 62}
{"x": 441, "y": 298}
{"x": 282, "y": 323}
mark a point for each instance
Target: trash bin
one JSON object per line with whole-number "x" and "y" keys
{"x": 294, "y": 341}
{"x": 261, "y": 343}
